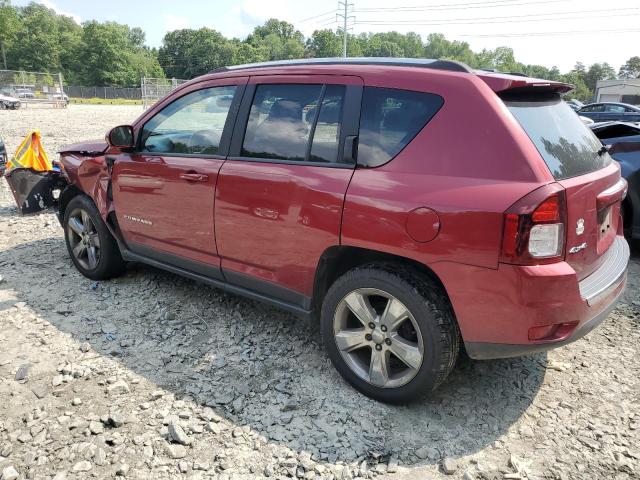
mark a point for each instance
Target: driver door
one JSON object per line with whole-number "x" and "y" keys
{"x": 163, "y": 192}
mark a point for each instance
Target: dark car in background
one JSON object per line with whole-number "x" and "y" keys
{"x": 623, "y": 141}
{"x": 575, "y": 104}
{"x": 3, "y": 158}
{"x": 610, "y": 111}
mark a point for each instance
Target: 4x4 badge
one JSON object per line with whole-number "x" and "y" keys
{"x": 580, "y": 226}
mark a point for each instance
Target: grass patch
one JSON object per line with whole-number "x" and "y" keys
{"x": 104, "y": 101}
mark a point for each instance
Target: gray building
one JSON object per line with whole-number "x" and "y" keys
{"x": 625, "y": 90}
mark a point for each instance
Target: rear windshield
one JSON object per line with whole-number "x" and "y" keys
{"x": 567, "y": 146}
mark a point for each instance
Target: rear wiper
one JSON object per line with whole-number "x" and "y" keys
{"x": 604, "y": 149}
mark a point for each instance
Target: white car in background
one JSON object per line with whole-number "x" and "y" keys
{"x": 7, "y": 101}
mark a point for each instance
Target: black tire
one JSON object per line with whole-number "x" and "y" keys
{"x": 109, "y": 262}
{"x": 430, "y": 308}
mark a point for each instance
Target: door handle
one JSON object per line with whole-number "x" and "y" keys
{"x": 194, "y": 177}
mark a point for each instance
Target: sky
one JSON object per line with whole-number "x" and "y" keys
{"x": 546, "y": 32}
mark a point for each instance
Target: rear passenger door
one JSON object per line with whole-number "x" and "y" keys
{"x": 612, "y": 112}
{"x": 280, "y": 193}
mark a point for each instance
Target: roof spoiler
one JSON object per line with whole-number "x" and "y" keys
{"x": 514, "y": 83}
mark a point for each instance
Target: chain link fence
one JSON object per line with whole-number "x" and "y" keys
{"x": 33, "y": 88}
{"x": 153, "y": 89}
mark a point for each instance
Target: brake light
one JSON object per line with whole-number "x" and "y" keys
{"x": 547, "y": 211}
{"x": 534, "y": 228}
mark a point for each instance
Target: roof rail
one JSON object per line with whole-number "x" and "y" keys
{"x": 450, "y": 65}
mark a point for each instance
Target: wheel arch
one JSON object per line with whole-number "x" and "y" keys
{"x": 338, "y": 259}
{"x": 66, "y": 196}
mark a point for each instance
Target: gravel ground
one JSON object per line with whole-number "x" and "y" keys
{"x": 155, "y": 376}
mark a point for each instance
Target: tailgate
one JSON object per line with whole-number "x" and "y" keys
{"x": 593, "y": 215}
{"x": 577, "y": 160}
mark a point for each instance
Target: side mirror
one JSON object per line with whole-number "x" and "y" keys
{"x": 121, "y": 136}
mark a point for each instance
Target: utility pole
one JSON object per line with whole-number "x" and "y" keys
{"x": 343, "y": 6}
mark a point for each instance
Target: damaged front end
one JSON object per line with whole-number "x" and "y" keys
{"x": 36, "y": 191}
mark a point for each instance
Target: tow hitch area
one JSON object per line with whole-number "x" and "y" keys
{"x": 35, "y": 183}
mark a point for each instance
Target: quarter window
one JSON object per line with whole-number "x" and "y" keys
{"x": 193, "y": 124}
{"x": 295, "y": 122}
{"x": 390, "y": 119}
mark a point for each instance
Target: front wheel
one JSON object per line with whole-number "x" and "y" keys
{"x": 389, "y": 332}
{"x": 93, "y": 250}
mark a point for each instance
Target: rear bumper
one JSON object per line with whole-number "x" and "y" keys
{"x": 497, "y": 309}
{"x": 487, "y": 351}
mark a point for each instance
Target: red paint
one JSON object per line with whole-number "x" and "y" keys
{"x": 152, "y": 188}
{"x": 423, "y": 224}
{"x": 440, "y": 202}
{"x": 274, "y": 221}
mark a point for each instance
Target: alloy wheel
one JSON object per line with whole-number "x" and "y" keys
{"x": 83, "y": 239}
{"x": 378, "y": 337}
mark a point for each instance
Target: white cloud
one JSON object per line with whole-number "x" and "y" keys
{"x": 53, "y": 6}
{"x": 175, "y": 22}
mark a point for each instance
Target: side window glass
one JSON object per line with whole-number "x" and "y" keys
{"x": 615, "y": 108}
{"x": 390, "y": 119}
{"x": 295, "y": 122}
{"x": 597, "y": 108}
{"x": 326, "y": 136}
{"x": 279, "y": 125}
{"x": 193, "y": 124}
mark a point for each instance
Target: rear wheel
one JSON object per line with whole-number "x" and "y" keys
{"x": 93, "y": 250}
{"x": 390, "y": 333}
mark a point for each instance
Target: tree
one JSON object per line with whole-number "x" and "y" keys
{"x": 9, "y": 25}
{"x": 323, "y": 44}
{"x": 280, "y": 40}
{"x": 598, "y": 71}
{"x": 437, "y": 46}
{"x": 111, "y": 55}
{"x": 38, "y": 48}
{"x": 631, "y": 69}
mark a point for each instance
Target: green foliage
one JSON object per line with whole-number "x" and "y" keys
{"x": 323, "y": 44}
{"x": 631, "y": 69}
{"x": 113, "y": 54}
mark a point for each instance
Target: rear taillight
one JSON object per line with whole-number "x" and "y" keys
{"x": 534, "y": 228}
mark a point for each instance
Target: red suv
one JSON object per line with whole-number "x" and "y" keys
{"x": 414, "y": 206}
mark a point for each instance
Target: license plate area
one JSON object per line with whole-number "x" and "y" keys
{"x": 607, "y": 226}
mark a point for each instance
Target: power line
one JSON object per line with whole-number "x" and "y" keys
{"x": 509, "y": 19}
{"x": 542, "y": 34}
{"x": 330, "y": 12}
{"x": 461, "y": 6}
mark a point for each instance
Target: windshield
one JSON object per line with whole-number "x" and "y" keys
{"x": 567, "y": 146}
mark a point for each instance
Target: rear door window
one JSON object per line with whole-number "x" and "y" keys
{"x": 615, "y": 109}
{"x": 566, "y": 145}
{"x": 295, "y": 122}
{"x": 390, "y": 119}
